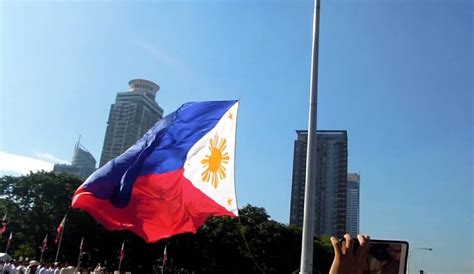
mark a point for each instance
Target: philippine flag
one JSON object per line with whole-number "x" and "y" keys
{"x": 176, "y": 176}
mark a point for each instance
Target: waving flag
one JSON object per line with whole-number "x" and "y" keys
{"x": 59, "y": 230}
{"x": 3, "y": 225}
{"x": 44, "y": 244}
{"x": 43, "y": 247}
{"x": 165, "y": 257}
{"x": 122, "y": 255}
{"x": 9, "y": 242}
{"x": 176, "y": 176}
{"x": 122, "y": 252}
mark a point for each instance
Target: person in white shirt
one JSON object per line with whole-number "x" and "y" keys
{"x": 51, "y": 269}
{"x": 32, "y": 267}
{"x": 57, "y": 268}
{"x": 43, "y": 269}
{"x": 8, "y": 268}
{"x": 67, "y": 269}
{"x": 5, "y": 267}
{"x": 12, "y": 268}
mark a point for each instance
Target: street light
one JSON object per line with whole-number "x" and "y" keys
{"x": 424, "y": 253}
{"x": 425, "y": 248}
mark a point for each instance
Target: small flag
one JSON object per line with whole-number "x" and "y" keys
{"x": 9, "y": 242}
{"x": 180, "y": 173}
{"x": 59, "y": 230}
{"x": 122, "y": 251}
{"x": 3, "y": 225}
{"x": 44, "y": 245}
{"x": 165, "y": 257}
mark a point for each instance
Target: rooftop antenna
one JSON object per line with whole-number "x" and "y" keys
{"x": 78, "y": 141}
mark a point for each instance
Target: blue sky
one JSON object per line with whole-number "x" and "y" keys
{"x": 396, "y": 74}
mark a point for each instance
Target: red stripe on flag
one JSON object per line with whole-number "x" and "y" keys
{"x": 161, "y": 206}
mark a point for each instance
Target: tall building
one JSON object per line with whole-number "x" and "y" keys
{"x": 82, "y": 164}
{"x": 331, "y": 181}
{"x": 131, "y": 116}
{"x": 353, "y": 206}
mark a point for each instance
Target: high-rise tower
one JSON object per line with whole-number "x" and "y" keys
{"x": 331, "y": 181}
{"x": 131, "y": 116}
{"x": 82, "y": 164}
{"x": 353, "y": 205}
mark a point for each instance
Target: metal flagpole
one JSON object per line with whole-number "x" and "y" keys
{"x": 80, "y": 254}
{"x": 41, "y": 256}
{"x": 308, "y": 221}
{"x": 60, "y": 240}
{"x": 9, "y": 241}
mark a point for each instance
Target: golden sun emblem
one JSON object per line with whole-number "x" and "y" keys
{"x": 214, "y": 163}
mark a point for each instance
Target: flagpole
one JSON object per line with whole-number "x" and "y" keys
{"x": 41, "y": 256}
{"x": 163, "y": 266}
{"x": 60, "y": 240}
{"x": 78, "y": 261}
{"x": 306, "y": 266}
{"x": 8, "y": 242}
{"x": 59, "y": 247}
{"x": 80, "y": 255}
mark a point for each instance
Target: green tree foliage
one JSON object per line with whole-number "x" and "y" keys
{"x": 252, "y": 243}
{"x": 35, "y": 204}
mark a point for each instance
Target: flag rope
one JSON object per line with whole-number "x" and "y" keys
{"x": 236, "y": 200}
{"x": 248, "y": 247}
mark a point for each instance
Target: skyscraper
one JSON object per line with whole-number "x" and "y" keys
{"x": 353, "y": 206}
{"x": 131, "y": 116}
{"x": 82, "y": 164}
{"x": 331, "y": 181}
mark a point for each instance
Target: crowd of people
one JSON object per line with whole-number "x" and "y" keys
{"x": 35, "y": 267}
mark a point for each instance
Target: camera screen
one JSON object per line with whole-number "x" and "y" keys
{"x": 386, "y": 258}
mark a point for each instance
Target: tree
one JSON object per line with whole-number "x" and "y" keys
{"x": 252, "y": 243}
{"x": 35, "y": 204}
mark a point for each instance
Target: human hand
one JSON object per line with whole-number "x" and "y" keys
{"x": 345, "y": 260}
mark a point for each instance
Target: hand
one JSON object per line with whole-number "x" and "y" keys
{"x": 345, "y": 260}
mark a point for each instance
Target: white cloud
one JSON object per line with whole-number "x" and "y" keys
{"x": 159, "y": 54}
{"x": 12, "y": 164}
{"x": 163, "y": 57}
{"x": 50, "y": 158}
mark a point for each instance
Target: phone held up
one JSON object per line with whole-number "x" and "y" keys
{"x": 385, "y": 256}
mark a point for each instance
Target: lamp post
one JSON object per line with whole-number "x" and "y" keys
{"x": 424, "y": 249}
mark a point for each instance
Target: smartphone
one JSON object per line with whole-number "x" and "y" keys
{"x": 385, "y": 256}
